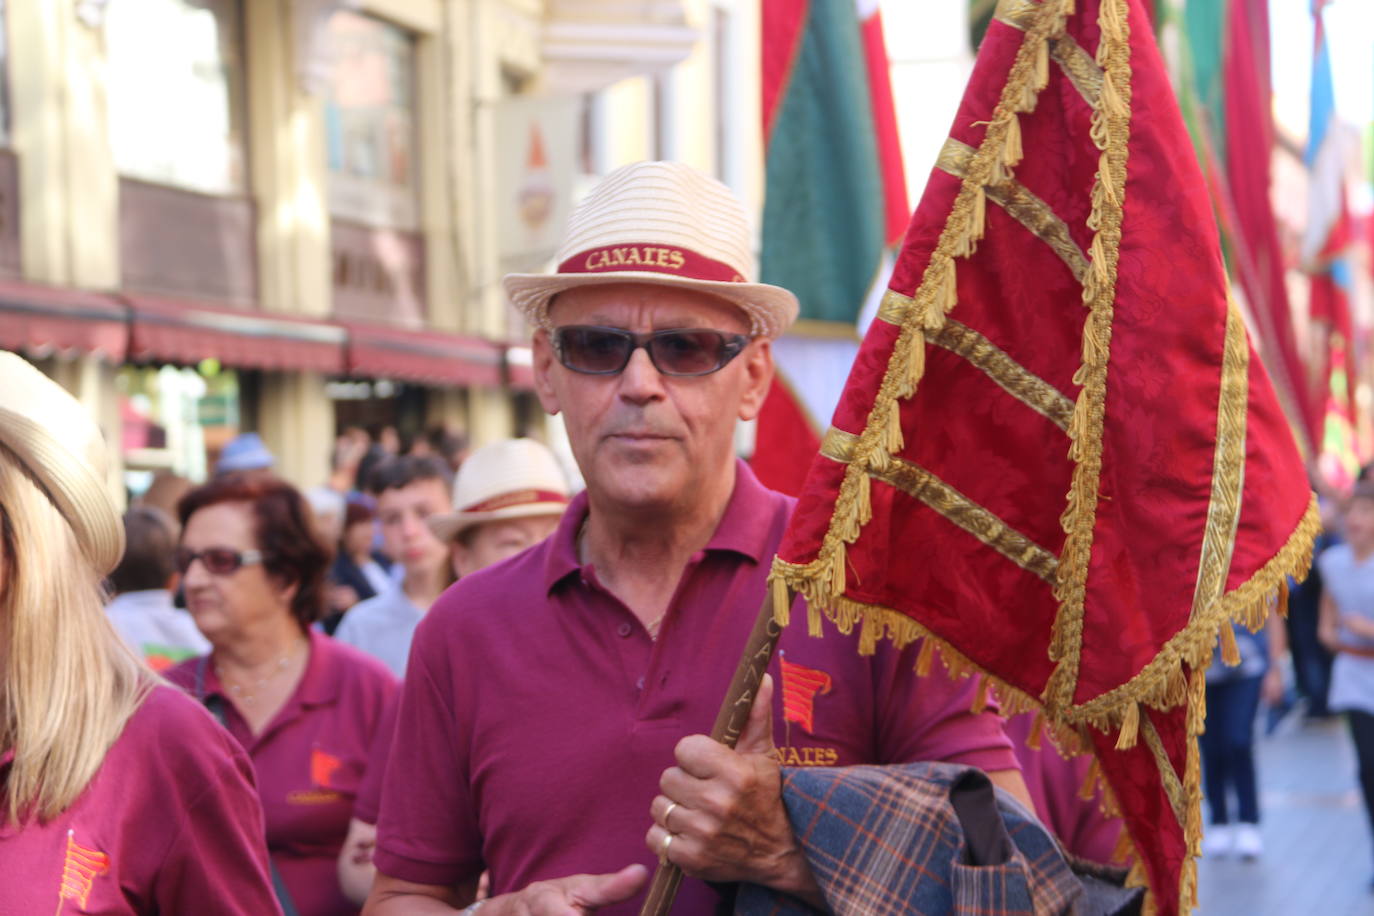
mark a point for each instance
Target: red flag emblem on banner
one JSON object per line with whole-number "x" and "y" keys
{"x": 799, "y": 688}
{"x": 1057, "y": 457}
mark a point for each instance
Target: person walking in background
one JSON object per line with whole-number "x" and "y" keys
{"x": 1347, "y": 630}
{"x": 304, "y": 707}
{"x": 409, "y": 490}
{"x": 508, "y": 497}
{"x": 117, "y": 794}
{"x": 142, "y": 609}
{"x": 1228, "y": 744}
{"x": 359, "y": 572}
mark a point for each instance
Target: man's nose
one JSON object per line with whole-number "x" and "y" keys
{"x": 641, "y": 381}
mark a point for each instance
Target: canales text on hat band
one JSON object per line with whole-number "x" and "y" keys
{"x": 665, "y": 259}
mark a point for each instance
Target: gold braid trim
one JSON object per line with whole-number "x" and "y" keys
{"x": 882, "y": 436}
{"x": 1111, "y": 127}
{"x": 1158, "y": 683}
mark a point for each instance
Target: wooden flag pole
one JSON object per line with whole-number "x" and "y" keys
{"x": 730, "y": 722}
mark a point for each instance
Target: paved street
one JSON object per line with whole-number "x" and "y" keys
{"x": 1317, "y": 852}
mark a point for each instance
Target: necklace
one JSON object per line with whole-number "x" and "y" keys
{"x": 653, "y": 625}
{"x": 248, "y": 694}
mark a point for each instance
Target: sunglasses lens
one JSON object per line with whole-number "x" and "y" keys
{"x": 220, "y": 560}
{"x": 596, "y": 350}
{"x": 688, "y": 352}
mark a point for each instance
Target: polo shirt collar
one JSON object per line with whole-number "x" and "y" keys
{"x": 743, "y": 527}
{"x": 319, "y": 684}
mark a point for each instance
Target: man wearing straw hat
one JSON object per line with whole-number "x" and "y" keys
{"x": 547, "y": 697}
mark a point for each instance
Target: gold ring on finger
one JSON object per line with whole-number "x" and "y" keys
{"x": 667, "y": 813}
{"x": 663, "y": 850}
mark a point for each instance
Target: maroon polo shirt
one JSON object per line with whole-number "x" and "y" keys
{"x": 369, "y": 801}
{"x": 310, "y": 761}
{"x": 537, "y": 714}
{"x": 170, "y": 824}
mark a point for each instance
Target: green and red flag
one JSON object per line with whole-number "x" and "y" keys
{"x": 1227, "y": 99}
{"x": 1057, "y": 458}
{"x": 835, "y": 201}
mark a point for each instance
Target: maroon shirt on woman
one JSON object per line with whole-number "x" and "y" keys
{"x": 537, "y": 714}
{"x": 170, "y": 824}
{"x": 310, "y": 760}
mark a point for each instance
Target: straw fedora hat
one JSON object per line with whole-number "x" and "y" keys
{"x": 513, "y": 478}
{"x": 61, "y": 446}
{"x": 663, "y": 223}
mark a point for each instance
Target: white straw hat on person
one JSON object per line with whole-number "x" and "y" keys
{"x": 513, "y": 478}
{"x": 663, "y": 223}
{"x": 61, "y": 446}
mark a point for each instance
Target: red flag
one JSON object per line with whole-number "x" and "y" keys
{"x": 1057, "y": 457}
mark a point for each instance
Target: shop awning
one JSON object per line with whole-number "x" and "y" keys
{"x": 185, "y": 331}
{"x": 430, "y": 357}
{"x": 44, "y": 320}
{"x": 590, "y": 44}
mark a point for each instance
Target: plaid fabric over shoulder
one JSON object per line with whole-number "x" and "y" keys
{"x": 884, "y": 841}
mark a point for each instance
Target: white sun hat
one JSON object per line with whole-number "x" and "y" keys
{"x": 61, "y": 446}
{"x": 513, "y": 478}
{"x": 663, "y": 223}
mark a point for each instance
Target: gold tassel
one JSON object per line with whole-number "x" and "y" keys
{"x": 865, "y": 499}
{"x": 1011, "y": 144}
{"x": 1036, "y": 739}
{"x": 1130, "y": 728}
{"x": 980, "y": 209}
{"x": 813, "y": 620}
{"x": 1042, "y": 65}
{"x": 869, "y": 630}
{"x": 1230, "y": 652}
{"x": 1282, "y": 606}
{"x": 782, "y": 601}
{"x": 1089, "y": 787}
{"x": 980, "y": 697}
{"x": 1068, "y": 7}
{"x": 916, "y": 360}
{"x": 895, "y": 440}
{"x": 837, "y": 571}
{"x": 1124, "y": 848}
{"x": 925, "y": 657}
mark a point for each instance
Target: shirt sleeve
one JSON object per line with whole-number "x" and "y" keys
{"x": 368, "y": 805}
{"x": 216, "y": 863}
{"x": 427, "y": 831}
{"x": 931, "y": 718}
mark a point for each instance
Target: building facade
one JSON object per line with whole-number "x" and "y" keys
{"x": 292, "y": 216}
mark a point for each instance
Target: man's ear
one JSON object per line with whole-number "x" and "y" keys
{"x": 758, "y": 368}
{"x": 543, "y": 367}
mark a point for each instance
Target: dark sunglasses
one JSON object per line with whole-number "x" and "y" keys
{"x": 594, "y": 350}
{"x": 218, "y": 560}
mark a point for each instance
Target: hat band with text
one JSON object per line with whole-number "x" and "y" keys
{"x": 663, "y": 259}
{"x": 516, "y": 498}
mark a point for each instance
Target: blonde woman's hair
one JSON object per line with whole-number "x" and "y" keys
{"x": 68, "y": 682}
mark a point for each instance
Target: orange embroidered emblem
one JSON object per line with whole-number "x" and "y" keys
{"x": 323, "y": 766}
{"x": 799, "y": 688}
{"x": 80, "y": 868}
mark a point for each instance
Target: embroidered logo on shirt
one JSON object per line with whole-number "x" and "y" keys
{"x": 80, "y": 868}
{"x": 323, "y": 766}
{"x": 799, "y": 688}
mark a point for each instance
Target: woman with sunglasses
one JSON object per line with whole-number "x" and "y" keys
{"x": 306, "y": 708}
{"x": 117, "y": 794}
